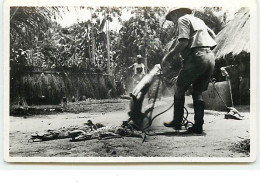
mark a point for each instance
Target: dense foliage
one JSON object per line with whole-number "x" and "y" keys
{"x": 38, "y": 41}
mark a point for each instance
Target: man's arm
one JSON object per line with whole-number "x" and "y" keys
{"x": 131, "y": 66}
{"x": 182, "y": 44}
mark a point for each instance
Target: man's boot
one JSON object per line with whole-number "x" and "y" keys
{"x": 198, "y": 117}
{"x": 178, "y": 114}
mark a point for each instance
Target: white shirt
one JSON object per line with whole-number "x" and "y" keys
{"x": 136, "y": 65}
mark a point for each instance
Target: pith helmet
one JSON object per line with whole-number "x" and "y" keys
{"x": 139, "y": 56}
{"x": 176, "y": 10}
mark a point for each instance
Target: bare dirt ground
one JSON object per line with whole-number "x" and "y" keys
{"x": 218, "y": 139}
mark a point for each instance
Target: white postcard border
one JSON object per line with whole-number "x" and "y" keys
{"x": 168, "y": 3}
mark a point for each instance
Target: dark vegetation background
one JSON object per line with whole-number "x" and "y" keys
{"x": 49, "y": 62}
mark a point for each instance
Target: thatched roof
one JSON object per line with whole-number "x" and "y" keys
{"x": 235, "y": 37}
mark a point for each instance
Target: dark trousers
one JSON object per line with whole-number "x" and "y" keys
{"x": 197, "y": 69}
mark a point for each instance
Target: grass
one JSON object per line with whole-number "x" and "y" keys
{"x": 242, "y": 146}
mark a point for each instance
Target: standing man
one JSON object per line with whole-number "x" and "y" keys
{"x": 195, "y": 42}
{"x": 139, "y": 70}
{"x": 138, "y": 66}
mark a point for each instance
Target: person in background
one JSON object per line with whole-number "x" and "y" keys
{"x": 138, "y": 66}
{"x": 21, "y": 58}
{"x": 139, "y": 70}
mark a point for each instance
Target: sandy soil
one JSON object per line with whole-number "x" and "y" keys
{"x": 217, "y": 141}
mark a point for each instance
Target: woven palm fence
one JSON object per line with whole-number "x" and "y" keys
{"x": 50, "y": 87}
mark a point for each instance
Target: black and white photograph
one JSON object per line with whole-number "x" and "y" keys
{"x": 121, "y": 83}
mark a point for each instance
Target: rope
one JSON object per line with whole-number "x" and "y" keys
{"x": 185, "y": 118}
{"x": 185, "y": 121}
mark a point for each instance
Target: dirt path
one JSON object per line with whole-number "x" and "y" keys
{"x": 217, "y": 141}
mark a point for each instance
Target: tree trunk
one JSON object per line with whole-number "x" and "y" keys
{"x": 146, "y": 38}
{"x": 92, "y": 41}
{"x": 108, "y": 48}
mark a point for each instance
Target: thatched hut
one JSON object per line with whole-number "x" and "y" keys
{"x": 234, "y": 38}
{"x": 233, "y": 53}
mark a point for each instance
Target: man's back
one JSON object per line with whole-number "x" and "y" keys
{"x": 196, "y": 31}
